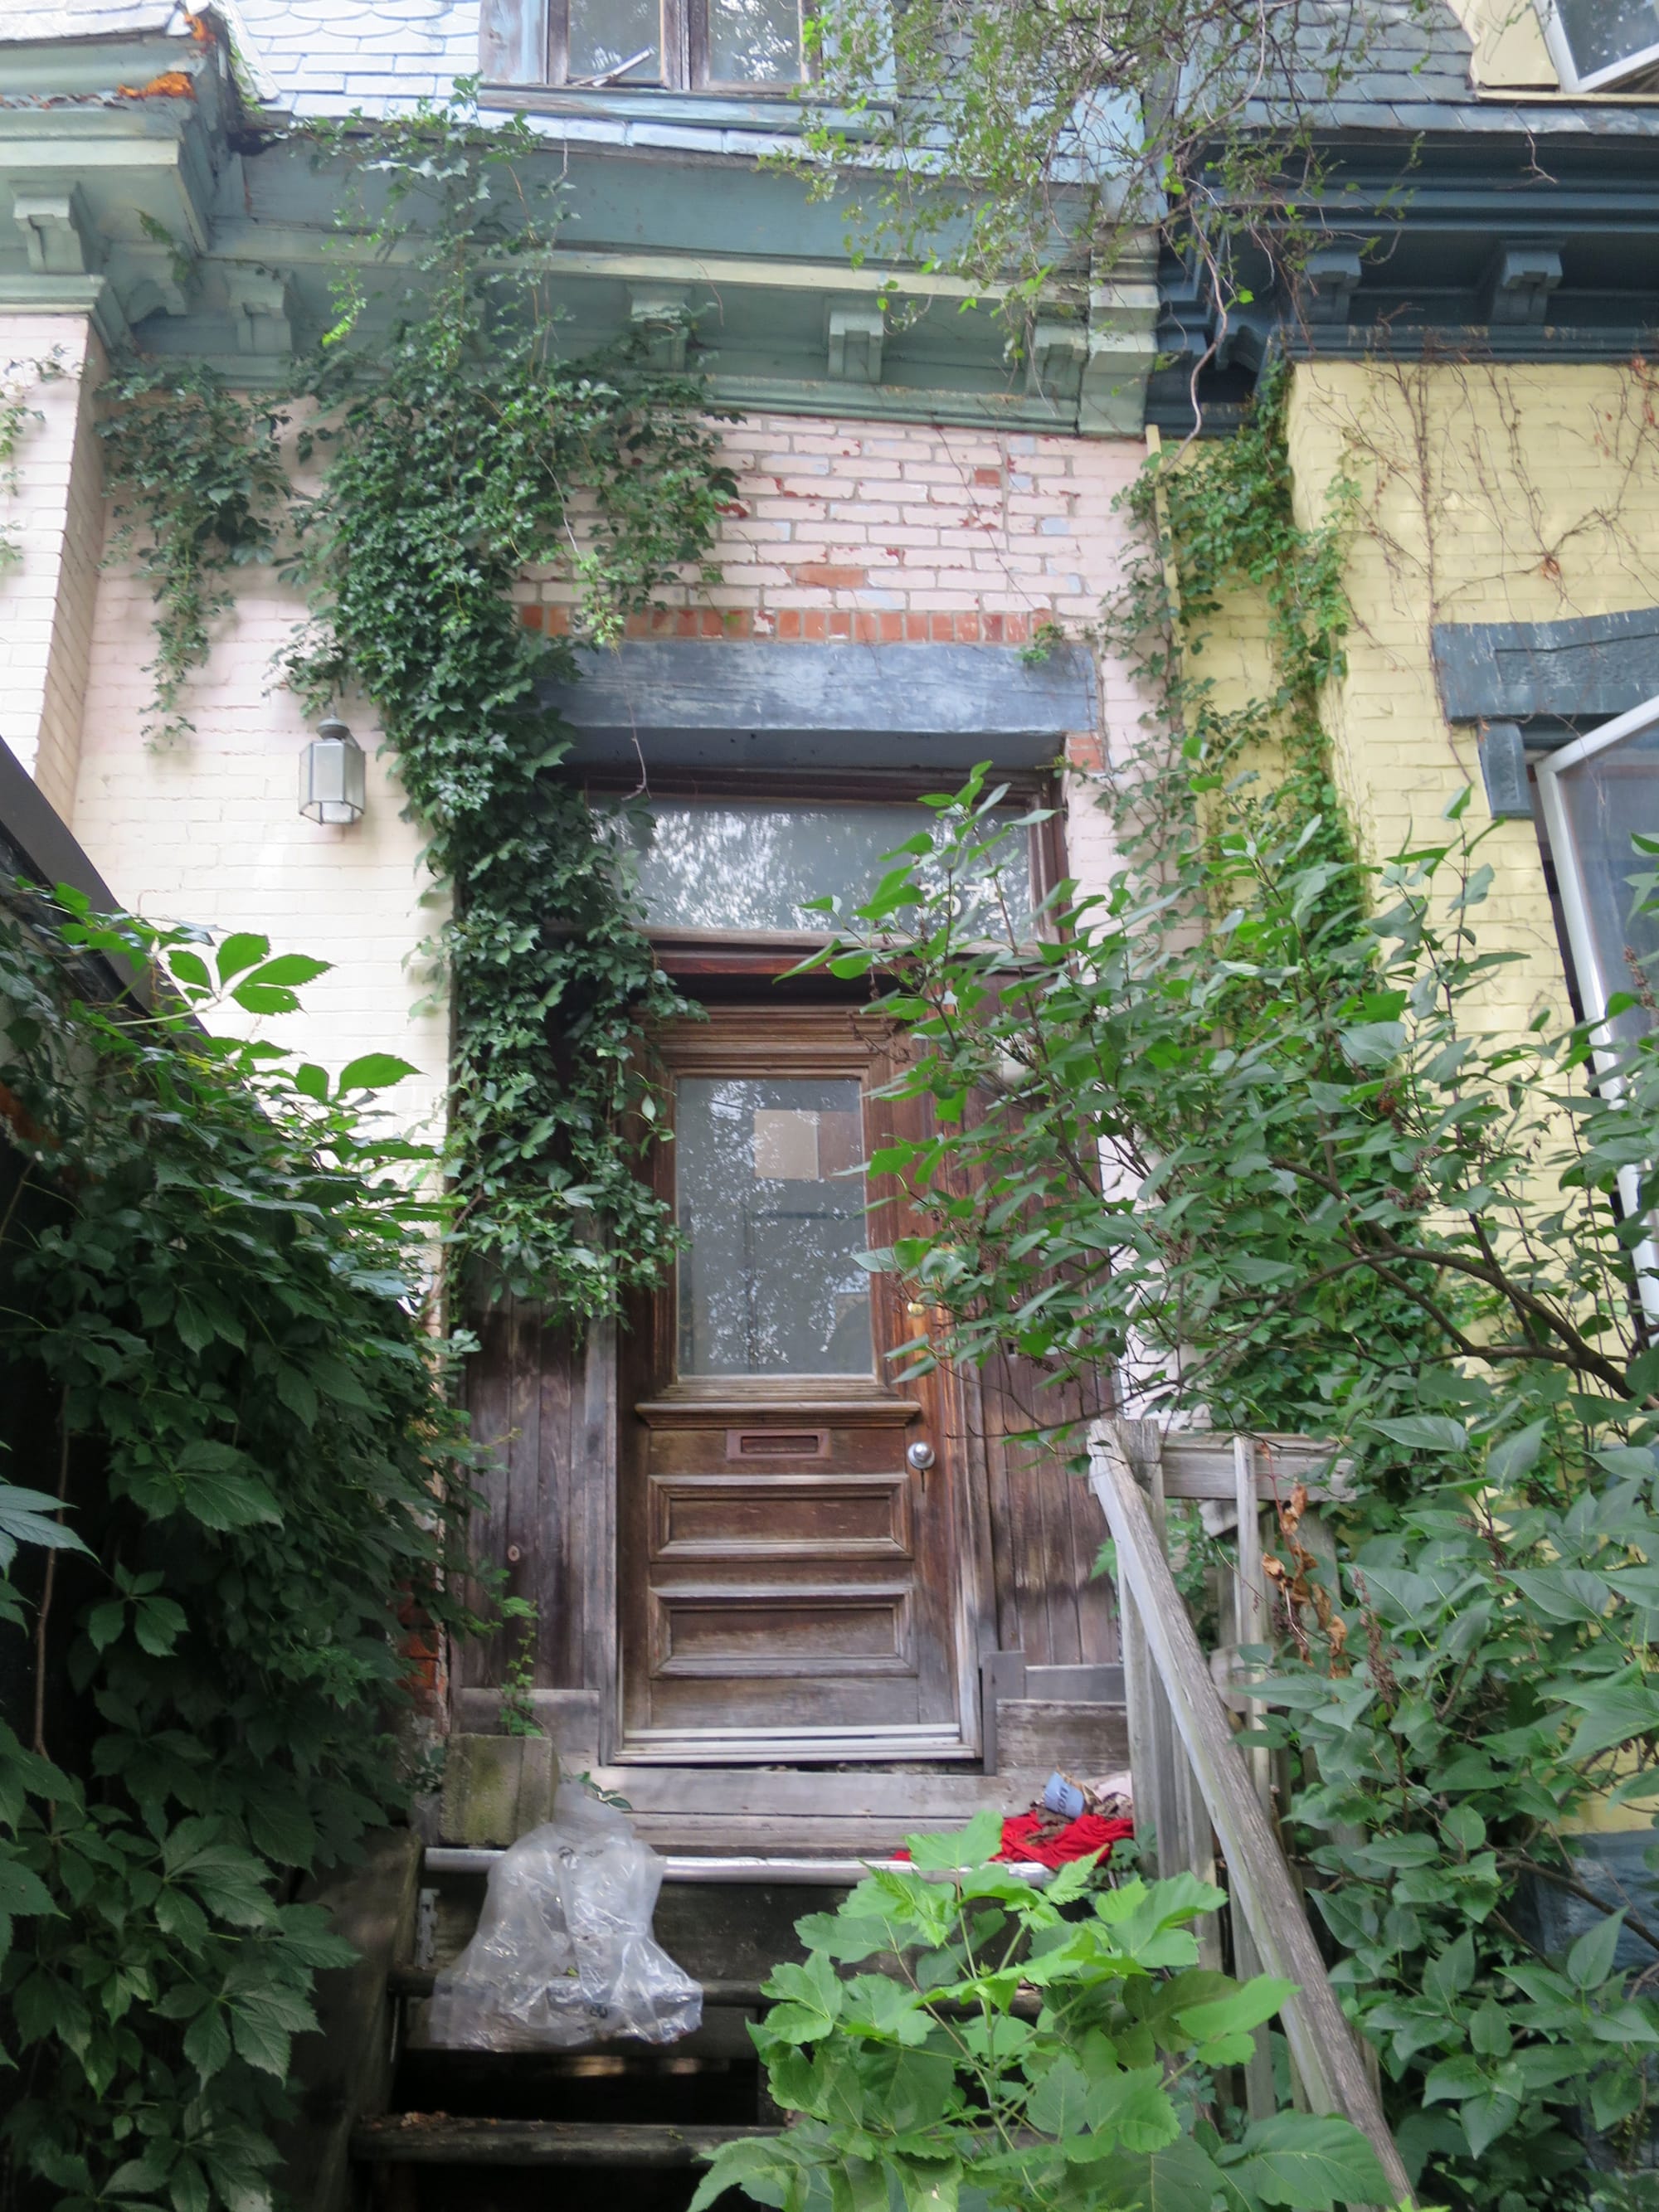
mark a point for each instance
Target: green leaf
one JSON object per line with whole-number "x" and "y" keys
{"x": 26, "y": 1518}
{"x": 1589, "y": 1961}
{"x": 289, "y": 969}
{"x": 240, "y": 951}
{"x": 1181, "y": 2179}
{"x": 22, "y": 1890}
{"x": 219, "y": 1498}
{"x": 1309, "y": 2163}
{"x": 972, "y": 1846}
{"x": 1432, "y": 1432}
{"x": 207, "y": 2043}
{"x": 763, "y": 2171}
{"x": 1613, "y": 1716}
{"x": 375, "y": 1071}
{"x": 1247, "y": 2007}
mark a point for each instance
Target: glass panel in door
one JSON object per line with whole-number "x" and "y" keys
{"x": 771, "y": 1208}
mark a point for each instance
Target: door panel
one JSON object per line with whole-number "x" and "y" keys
{"x": 791, "y": 1587}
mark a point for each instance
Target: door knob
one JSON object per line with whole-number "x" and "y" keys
{"x": 919, "y": 1457}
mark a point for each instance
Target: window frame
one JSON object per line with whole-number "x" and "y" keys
{"x": 684, "y": 47}
{"x": 1612, "y": 77}
{"x": 703, "y": 956}
{"x": 1582, "y": 948}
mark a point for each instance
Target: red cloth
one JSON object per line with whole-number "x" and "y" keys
{"x": 1088, "y": 1833}
{"x": 1085, "y": 1835}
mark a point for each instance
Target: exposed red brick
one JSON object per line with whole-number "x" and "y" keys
{"x": 892, "y": 628}
{"x": 789, "y": 623}
{"x": 558, "y": 622}
{"x": 992, "y": 477}
{"x": 816, "y": 627}
{"x": 1086, "y": 752}
{"x": 915, "y": 629}
{"x": 531, "y": 618}
{"x": 841, "y": 626}
{"x": 993, "y": 629}
{"x": 967, "y": 629}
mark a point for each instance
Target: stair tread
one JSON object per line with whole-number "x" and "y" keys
{"x": 436, "y": 2139}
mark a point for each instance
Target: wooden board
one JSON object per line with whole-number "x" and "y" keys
{"x": 429, "y": 2139}
{"x": 1327, "y": 2057}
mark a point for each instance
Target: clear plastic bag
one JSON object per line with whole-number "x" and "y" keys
{"x": 564, "y": 1954}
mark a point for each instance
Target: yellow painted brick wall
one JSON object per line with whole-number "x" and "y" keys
{"x": 1487, "y": 493}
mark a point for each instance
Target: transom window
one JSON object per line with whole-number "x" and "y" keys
{"x": 734, "y": 45}
{"x": 753, "y": 864}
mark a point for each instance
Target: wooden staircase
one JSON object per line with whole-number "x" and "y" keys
{"x": 482, "y": 2131}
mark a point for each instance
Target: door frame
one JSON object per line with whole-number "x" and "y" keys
{"x": 799, "y": 1040}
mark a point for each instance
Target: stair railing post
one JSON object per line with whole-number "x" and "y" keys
{"x": 1323, "y": 2047}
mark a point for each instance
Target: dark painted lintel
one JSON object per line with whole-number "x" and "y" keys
{"x": 735, "y": 703}
{"x": 1575, "y": 670}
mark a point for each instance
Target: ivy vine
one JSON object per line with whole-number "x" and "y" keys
{"x": 17, "y": 380}
{"x": 459, "y": 450}
{"x": 209, "y": 1298}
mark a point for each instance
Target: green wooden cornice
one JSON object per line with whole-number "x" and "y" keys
{"x": 136, "y": 187}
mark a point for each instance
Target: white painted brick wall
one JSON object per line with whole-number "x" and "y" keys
{"x": 54, "y": 518}
{"x": 845, "y": 534}
{"x": 208, "y": 831}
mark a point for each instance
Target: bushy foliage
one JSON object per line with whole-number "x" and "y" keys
{"x": 213, "y": 1280}
{"x": 1241, "y": 1130}
{"x": 1010, "y": 2046}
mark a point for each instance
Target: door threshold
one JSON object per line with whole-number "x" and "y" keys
{"x": 799, "y": 1747}
{"x": 863, "y": 1812}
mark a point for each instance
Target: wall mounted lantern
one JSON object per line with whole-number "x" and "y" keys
{"x": 333, "y": 775}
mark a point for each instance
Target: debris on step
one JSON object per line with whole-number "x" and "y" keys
{"x": 564, "y": 1955}
{"x": 1074, "y": 1820}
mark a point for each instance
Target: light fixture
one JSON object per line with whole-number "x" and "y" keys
{"x": 333, "y": 775}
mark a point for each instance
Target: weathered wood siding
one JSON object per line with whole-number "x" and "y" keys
{"x": 545, "y": 1408}
{"x": 1045, "y": 1531}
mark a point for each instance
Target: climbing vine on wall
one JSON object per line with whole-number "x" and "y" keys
{"x": 458, "y": 450}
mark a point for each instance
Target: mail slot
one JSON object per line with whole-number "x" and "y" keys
{"x": 776, "y": 1443}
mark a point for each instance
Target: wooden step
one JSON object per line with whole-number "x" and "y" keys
{"x": 435, "y": 2139}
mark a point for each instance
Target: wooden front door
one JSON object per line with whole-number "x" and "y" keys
{"x": 792, "y": 1554}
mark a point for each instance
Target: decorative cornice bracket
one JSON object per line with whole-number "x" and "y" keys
{"x": 57, "y": 236}
{"x": 857, "y": 333}
{"x": 1520, "y": 282}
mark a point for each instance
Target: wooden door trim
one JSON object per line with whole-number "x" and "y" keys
{"x": 776, "y": 1409}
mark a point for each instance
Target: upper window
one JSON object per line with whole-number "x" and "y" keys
{"x": 1599, "y": 44}
{"x": 685, "y": 45}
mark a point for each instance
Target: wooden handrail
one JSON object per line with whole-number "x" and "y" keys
{"x": 1323, "y": 2048}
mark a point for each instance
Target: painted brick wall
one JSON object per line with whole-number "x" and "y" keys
{"x": 845, "y": 534}
{"x": 842, "y": 533}
{"x": 1487, "y": 494}
{"x": 208, "y": 830}
{"x": 54, "y": 517}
